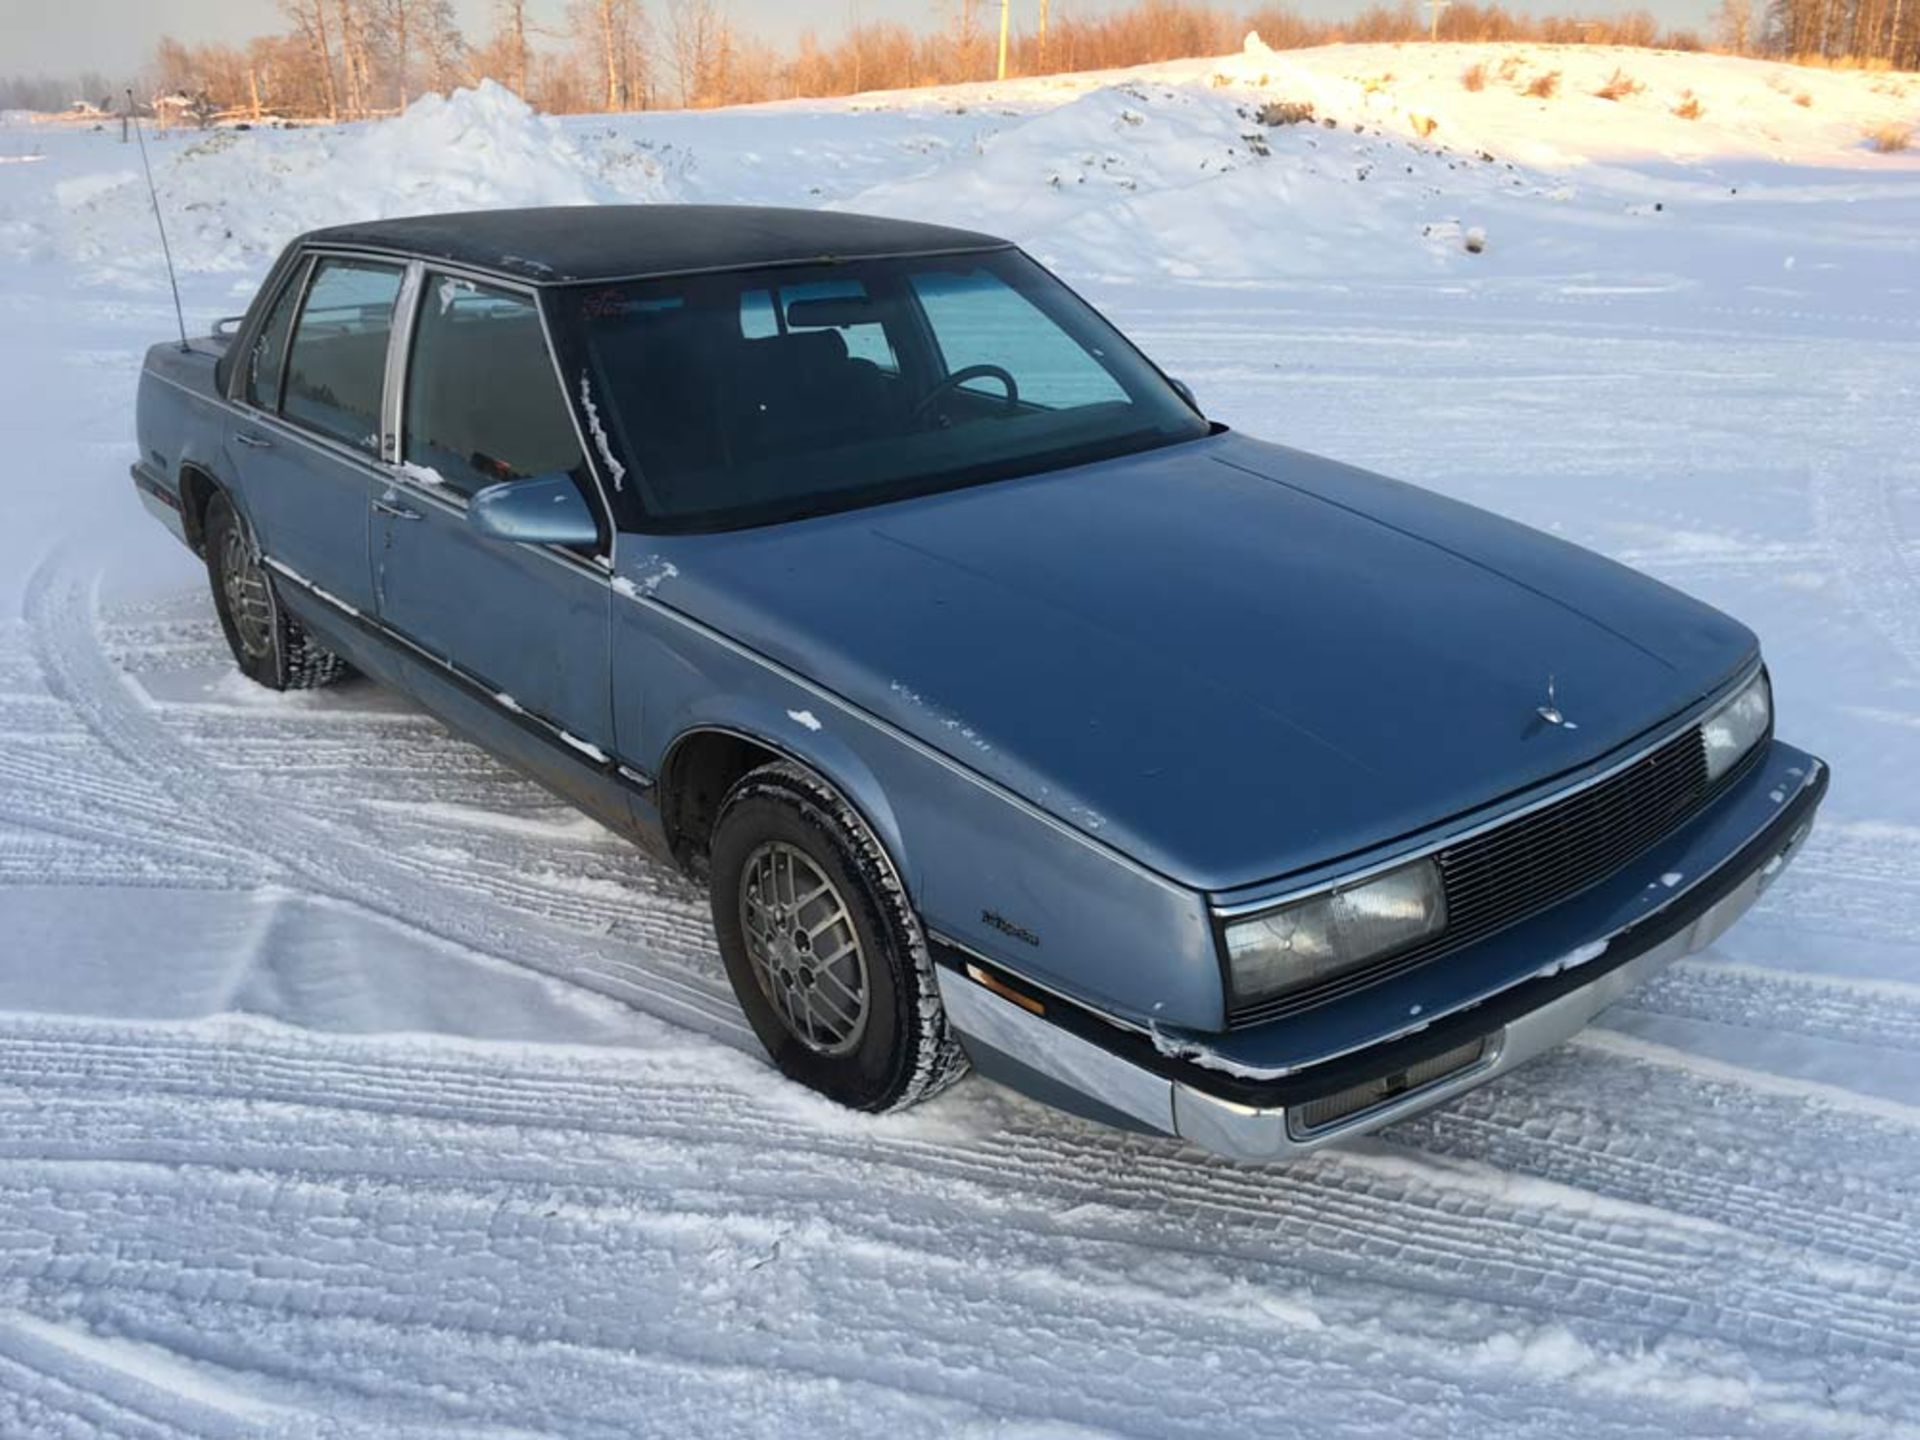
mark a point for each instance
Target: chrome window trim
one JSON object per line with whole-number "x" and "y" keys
{"x": 1422, "y": 850}
{"x": 393, "y": 387}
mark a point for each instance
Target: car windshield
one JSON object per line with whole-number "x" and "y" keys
{"x": 742, "y": 397}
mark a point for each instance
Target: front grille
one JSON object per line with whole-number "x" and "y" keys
{"x": 1316, "y": 1115}
{"x": 1503, "y": 875}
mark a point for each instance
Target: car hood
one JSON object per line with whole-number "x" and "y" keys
{"x": 1227, "y": 659}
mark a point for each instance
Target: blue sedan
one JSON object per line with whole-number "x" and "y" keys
{"x": 1013, "y": 712}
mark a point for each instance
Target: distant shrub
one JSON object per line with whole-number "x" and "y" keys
{"x": 1890, "y": 139}
{"x": 1286, "y": 112}
{"x": 1544, "y": 87}
{"x": 1803, "y": 100}
{"x": 1474, "y": 78}
{"x": 1510, "y": 67}
{"x": 1689, "y": 107}
{"x": 1619, "y": 85}
{"x": 1423, "y": 125}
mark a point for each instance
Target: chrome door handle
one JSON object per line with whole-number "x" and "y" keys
{"x": 254, "y": 442}
{"x": 388, "y": 505}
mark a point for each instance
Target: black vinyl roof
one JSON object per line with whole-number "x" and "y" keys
{"x": 562, "y": 244}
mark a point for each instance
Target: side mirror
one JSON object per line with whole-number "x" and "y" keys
{"x": 539, "y": 510}
{"x": 1186, "y": 392}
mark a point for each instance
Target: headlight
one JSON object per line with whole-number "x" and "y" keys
{"x": 1302, "y": 944}
{"x": 1736, "y": 727}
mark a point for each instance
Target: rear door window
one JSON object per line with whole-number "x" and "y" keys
{"x": 483, "y": 400}
{"x": 337, "y": 364}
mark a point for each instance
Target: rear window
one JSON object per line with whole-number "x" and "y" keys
{"x": 338, "y": 361}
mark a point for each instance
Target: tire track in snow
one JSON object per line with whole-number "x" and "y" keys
{"x": 1884, "y": 1014}
{"x": 331, "y": 860}
{"x": 1854, "y": 512}
{"x": 1381, "y": 1219}
{"x": 960, "y": 1258}
{"x": 1695, "y": 1146}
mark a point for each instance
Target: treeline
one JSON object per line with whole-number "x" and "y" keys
{"x": 347, "y": 59}
{"x": 1874, "y": 30}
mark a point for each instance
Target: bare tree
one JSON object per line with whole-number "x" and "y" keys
{"x": 309, "y": 18}
{"x": 1733, "y": 26}
{"x": 342, "y": 59}
{"x": 513, "y": 25}
{"x": 697, "y": 37}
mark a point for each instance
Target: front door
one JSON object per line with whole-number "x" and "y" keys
{"x": 307, "y": 447}
{"x": 482, "y": 404}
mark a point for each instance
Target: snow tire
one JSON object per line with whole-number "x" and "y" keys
{"x": 907, "y": 1052}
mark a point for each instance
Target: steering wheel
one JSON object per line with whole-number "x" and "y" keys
{"x": 960, "y": 377}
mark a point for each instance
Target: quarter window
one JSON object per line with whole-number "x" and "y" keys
{"x": 338, "y": 361}
{"x": 483, "y": 401}
{"x": 267, "y": 358}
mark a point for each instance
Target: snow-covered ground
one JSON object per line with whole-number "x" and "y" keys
{"x": 349, "y": 1085}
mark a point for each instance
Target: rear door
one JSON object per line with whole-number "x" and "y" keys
{"x": 481, "y": 403}
{"x": 308, "y": 444}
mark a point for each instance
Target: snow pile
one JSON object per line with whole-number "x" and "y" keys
{"x": 1665, "y": 104}
{"x": 232, "y": 199}
{"x": 1145, "y": 179}
{"x": 1382, "y": 161}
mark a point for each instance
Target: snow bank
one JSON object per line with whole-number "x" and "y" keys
{"x": 1151, "y": 179}
{"x": 1377, "y": 160}
{"x": 1326, "y": 164}
{"x": 234, "y": 198}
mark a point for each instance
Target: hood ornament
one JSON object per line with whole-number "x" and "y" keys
{"x": 1550, "y": 712}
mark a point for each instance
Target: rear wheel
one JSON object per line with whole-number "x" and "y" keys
{"x": 824, "y": 951}
{"x": 268, "y": 644}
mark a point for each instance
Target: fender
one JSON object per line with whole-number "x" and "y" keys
{"x": 820, "y": 747}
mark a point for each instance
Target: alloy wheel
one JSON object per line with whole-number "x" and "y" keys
{"x": 249, "y": 601}
{"x": 805, "y": 950}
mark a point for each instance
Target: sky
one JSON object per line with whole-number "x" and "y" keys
{"x": 116, "y": 37}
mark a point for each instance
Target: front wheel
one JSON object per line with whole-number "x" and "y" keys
{"x": 269, "y": 645}
{"x": 824, "y": 951}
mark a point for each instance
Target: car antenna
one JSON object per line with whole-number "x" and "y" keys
{"x": 179, "y": 315}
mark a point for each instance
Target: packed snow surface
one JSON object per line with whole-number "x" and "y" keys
{"x": 349, "y": 1085}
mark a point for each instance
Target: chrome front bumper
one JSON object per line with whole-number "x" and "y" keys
{"x": 1060, "y": 1066}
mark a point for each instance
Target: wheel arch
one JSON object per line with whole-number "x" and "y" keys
{"x": 704, "y": 761}
{"x": 198, "y": 486}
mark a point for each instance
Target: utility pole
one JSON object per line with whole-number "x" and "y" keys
{"x": 1436, "y": 6}
{"x": 1006, "y": 12}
